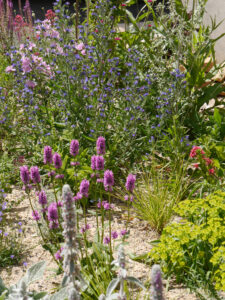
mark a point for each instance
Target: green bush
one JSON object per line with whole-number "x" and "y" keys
{"x": 193, "y": 249}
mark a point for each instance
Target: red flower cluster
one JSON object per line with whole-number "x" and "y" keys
{"x": 50, "y": 15}
{"x": 198, "y": 150}
{"x": 19, "y": 22}
{"x": 193, "y": 152}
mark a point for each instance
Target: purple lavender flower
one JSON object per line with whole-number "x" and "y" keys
{"x": 100, "y": 145}
{"x": 108, "y": 180}
{"x": 25, "y": 174}
{"x": 78, "y": 196}
{"x": 114, "y": 235}
{"x": 130, "y": 183}
{"x": 93, "y": 162}
{"x": 35, "y": 215}
{"x": 74, "y": 147}
{"x": 52, "y": 212}
{"x": 59, "y": 204}
{"x": 42, "y": 198}
{"x": 99, "y": 163}
{"x": 106, "y": 240}
{"x": 59, "y": 176}
{"x": 84, "y": 187}
{"x": 51, "y": 173}
{"x": 35, "y": 175}
{"x": 57, "y": 160}
{"x": 53, "y": 225}
{"x": 123, "y": 232}
{"x": 58, "y": 254}
{"x": 100, "y": 180}
{"x": 126, "y": 197}
{"x": 47, "y": 155}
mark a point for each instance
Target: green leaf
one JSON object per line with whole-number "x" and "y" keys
{"x": 35, "y": 272}
{"x": 135, "y": 281}
{"x": 39, "y": 295}
{"x": 217, "y": 116}
{"x": 61, "y": 295}
{"x": 2, "y": 286}
{"x": 112, "y": 286}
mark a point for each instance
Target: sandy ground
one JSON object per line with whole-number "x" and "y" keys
{"x": 139, "y": 243}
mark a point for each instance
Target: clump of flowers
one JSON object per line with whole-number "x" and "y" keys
{"x": 204, "y": 163}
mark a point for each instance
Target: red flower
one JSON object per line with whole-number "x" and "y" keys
{"x": 193, "y": 152}
{"x": 149, "y": 25}
{"x": 211, "y": 171}
{"x": 117, "y": 38}
{"x": 123, "y": 4}
{"x": 149, "y": 1}
{"x": 208, "y": 161}
{"x": 196, "y": 166}
{"x": 50, "y": 15}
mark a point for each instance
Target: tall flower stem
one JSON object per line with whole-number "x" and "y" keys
{"x": 56, "y": 201}
{"x": 110, "y": 229}
{"x": 77, "y": 18}
{"x": 41, "y": 233}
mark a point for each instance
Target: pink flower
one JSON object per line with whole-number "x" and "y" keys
{"x": 30, "y": 84}
{"x": 196, "y": 166}
{"x": 10, "y": 69}
{"x": 117, "y": 38}
{"x": 26, "y": 64}
{"x": 80, "y": 46}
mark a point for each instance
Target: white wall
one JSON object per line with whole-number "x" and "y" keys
{"x": 215, "y": 8}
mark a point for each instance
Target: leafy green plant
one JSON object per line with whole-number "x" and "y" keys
{"x": 192, "y": 249}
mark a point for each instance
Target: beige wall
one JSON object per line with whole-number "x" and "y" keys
{"x": 215, "y": 8}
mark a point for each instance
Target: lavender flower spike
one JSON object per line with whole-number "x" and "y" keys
{"x": 25, "y": 174}
{"x": 74, "y": 147}
{"x": 70, "y": 253}
{"x": 57, "y": 160}
{"x": 108, "y": 180}
{"x": 35, "y": 176}
{"x": 130, "y": 183}
{"x": 84, "y": 187}
{"x": 42, "y": 198}
{"x": 100, "y": 145}
{"x": 99, "y": 163}
{"x": 156, "y": 283}
{"x": 48, "y": 155}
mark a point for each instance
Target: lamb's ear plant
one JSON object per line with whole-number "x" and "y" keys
{"x": 19, "y": 291}
{"x": 70, "y": 253}
{"x": 120, "y": 280}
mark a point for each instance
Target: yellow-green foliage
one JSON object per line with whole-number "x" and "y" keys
{"x": 193, "y": 250}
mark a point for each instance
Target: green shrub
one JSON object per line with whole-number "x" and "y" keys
{"x": 193, "y": 249}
